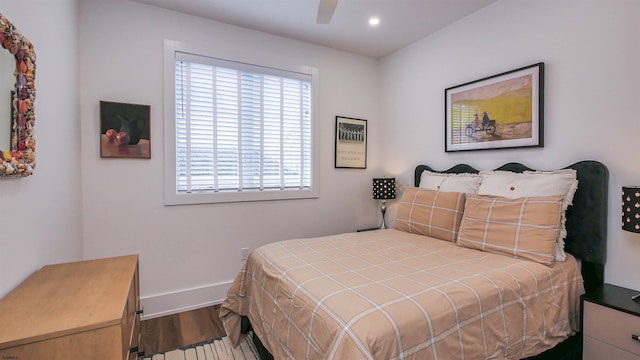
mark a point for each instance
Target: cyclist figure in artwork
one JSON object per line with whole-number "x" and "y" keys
{"x": 476, "y": 121}
{"x": 485, "y": 119}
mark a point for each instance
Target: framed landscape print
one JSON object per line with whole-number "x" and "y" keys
{"x": 351, "y": 143}
{"x": 496, "y": 112}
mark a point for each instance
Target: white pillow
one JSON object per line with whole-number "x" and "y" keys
{"x": 534, "y": 183}
{"x": 464, "y": 183}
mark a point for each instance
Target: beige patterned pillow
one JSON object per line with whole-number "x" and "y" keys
{"x": 430, "y": 212}
{"x": 534, "y": 183}
{"x": 523, "y": 227}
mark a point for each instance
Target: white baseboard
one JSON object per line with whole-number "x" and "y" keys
{"x": 157, "y": 305}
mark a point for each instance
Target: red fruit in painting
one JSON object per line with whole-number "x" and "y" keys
{"x": 122, "y": 138}
{"x": 111, "y": 135}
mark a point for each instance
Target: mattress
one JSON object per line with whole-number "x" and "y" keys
{"x": 388, "y": 294}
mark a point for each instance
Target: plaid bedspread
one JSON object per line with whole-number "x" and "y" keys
{"x": 388, "y": 294}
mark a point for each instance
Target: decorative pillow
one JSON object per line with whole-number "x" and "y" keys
{"x": 429, "y": 212}
{"x": 523, "y": 228}
{"x": 466, "y": 183}
{"x": 534, "y": 183}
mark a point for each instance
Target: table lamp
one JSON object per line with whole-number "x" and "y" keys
{"x": 631, "y": 208}
{"x": 631, "y": 214}
{"x": 384, "y": 189}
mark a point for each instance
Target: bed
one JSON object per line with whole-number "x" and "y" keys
{"x": 401, "y": 294}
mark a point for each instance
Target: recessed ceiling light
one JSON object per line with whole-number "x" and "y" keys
{"x": 373, "y": 21}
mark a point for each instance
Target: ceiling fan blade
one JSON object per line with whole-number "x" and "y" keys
{"x": 325, "y": 11}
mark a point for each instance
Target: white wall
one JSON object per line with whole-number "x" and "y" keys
{"x": 41, "y": 218}
{"x": 189, "y": 254}
{"x": 591, "y": 53}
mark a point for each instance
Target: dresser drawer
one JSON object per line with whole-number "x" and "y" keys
{"x": 597, "y": 350}
{"x": 611, "y": 327}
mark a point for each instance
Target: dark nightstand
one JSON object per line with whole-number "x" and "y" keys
{"x": 611, "y": 324}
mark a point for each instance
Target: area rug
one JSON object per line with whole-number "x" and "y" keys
{"x": 216, "y": 349}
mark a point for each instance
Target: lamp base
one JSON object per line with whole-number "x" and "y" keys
{"x": 383, "y": 209}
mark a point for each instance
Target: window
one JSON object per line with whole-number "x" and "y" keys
{"x": 239, "y": 132}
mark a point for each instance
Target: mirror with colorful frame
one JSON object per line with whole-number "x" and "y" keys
{"x": 20, "y": 158}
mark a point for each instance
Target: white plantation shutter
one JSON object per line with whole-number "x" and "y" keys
{"x": 241, "y": 127}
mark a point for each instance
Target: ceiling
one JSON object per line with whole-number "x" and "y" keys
{"x": 401, "y": 21}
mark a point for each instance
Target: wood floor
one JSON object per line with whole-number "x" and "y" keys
{"x": 172, "y": 331}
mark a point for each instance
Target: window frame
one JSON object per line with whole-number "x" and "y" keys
{"x": 171, "y": 196}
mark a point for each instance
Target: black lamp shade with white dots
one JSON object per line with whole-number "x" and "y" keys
{"x": 631, "y": 208}
{"x": 384, "y": 188}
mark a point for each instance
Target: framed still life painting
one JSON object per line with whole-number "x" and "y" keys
{"x": 124, "y": 130}
{"x": 497, "y": 112}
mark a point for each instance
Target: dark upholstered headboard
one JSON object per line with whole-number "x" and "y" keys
{"x": 586, "y": 218}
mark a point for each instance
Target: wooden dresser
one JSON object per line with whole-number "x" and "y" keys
{"x": 79, "y": 310}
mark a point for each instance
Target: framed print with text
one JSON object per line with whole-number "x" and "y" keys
{"x": 351, "y": 143}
